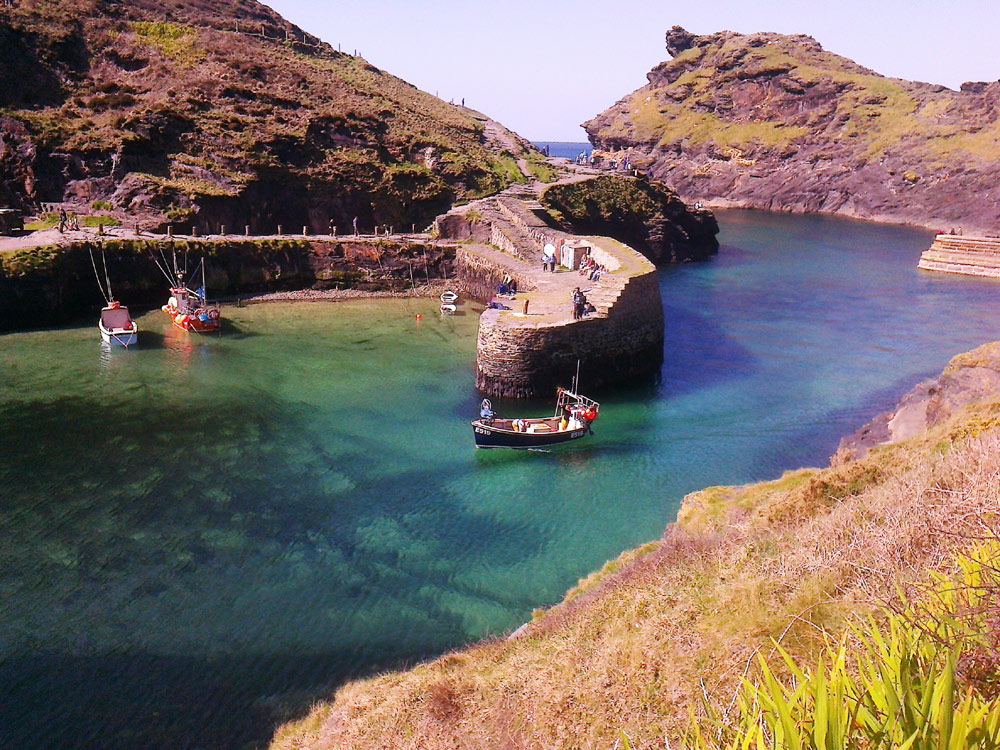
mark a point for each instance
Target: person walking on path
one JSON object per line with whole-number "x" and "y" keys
{"x": 62, "y": 220}
{"x": 355, "y": 226}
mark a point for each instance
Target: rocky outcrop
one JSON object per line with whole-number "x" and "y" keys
{"x": 644, "y": 214}
{"x": 17, "y": 158}
{"x": 168, "y": 112}
{"x": 775, "y": 122}
{"x": 968, "y": 378}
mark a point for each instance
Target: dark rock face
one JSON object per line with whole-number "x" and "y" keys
{"x": 161, "y": 110}
{"x": 970, "y": 377}
{"x": 678, "y": 40}
{"x": 17, "y": 158}
{"x": 775, "y": 122}
{"x": 644, "y": 214}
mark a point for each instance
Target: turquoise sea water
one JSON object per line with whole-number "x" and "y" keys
{"x": 203, "y": 535}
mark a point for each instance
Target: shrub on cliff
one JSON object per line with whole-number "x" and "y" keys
{"x": 925, "y": 678}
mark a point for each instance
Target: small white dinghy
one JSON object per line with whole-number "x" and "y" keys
{"x": 448, "y": 297}
{"x": 117, "y": 326}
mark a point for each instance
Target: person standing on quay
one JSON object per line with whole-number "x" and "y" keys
{"x": 355, "y": 226}
{"x": 577, "y": 304}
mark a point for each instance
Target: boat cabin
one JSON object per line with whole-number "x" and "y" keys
{"x": 116, "y": 318}
{"x": 186, "y": 302}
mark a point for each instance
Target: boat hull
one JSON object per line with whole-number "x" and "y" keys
{"x": 488, "y": 436}
{"x": 192, "y": 322}
{"x": 123, "y": 338}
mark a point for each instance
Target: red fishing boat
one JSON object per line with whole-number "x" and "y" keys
{"x": 189, "y": 308}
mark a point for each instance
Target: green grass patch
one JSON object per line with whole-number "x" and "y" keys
{"x": 45, "y": 221}
{"x": 172, "y": 39}
{"x": 540, "y": 168}
{"x": 505, "y": 165}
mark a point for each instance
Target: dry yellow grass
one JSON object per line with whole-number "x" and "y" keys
{"x": 633, "y": 646}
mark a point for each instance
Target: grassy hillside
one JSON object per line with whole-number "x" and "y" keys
{"x": 220, "y": 111}
{"x": 773, "y": 121}
{"x": 636, "y": 645}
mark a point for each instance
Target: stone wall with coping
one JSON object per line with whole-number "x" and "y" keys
{"x": 479, "y": 276}
{"x": 604, "y": 258}
{"x": 519, "y": 359}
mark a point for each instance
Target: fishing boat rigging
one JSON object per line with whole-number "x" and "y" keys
{"x": 115, "y": 324}
{"x": 189, "y": 308}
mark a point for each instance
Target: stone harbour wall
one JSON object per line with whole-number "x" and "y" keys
{"x": 970, "y": 256}
{"x": 479, "y": 276}
{"x": 523, "y": 360}
{"x": 55, "y": 283}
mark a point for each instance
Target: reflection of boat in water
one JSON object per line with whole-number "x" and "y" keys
{"x": 449, "y": 297}
{"x": 571, "y": 421}
{"x": 117, "y": 326}
{"x": 189, "y": 308}
{"x": 447, "y": 307}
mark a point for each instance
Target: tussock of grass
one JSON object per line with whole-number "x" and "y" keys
{"x": 634, "y": 646}
{"x": 925, "y": 678}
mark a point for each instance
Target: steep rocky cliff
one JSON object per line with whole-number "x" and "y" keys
{"x": 220, "y": 111}
{"x": 776, "y": 122}
{"x": 644, "y": 214}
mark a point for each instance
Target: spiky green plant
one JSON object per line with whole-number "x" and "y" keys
{"x": 889, "y": 684}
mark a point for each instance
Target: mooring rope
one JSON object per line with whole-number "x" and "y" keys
{"x": 97, "y": 276}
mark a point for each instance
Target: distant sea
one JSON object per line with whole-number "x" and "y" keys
{"x": 564, "y": 148}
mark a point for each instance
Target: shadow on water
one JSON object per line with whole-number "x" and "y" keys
{"x": 698, "y": 353}
{"x": 305, "y": 548}
{"x": 825, "y": 432}
{"x": 68, "y": 702}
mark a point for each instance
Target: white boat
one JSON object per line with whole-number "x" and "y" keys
{"x": 117, "y": 326}
{"x": 448, "y": 297}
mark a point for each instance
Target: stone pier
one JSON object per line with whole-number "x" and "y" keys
{"x": 528, "y": 355}
{"x": 971, "y": 256}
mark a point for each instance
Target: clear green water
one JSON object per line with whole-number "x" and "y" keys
{"x": 203, "y": 535}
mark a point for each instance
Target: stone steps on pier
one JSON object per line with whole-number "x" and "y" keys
{"x": 970, "y": 256}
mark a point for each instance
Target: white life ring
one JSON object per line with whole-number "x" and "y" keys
{"x": 213, "y": 314}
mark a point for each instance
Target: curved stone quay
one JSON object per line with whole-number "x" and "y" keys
{"x": 527, "y": 355}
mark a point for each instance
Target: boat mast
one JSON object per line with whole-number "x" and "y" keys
{"x": 576, "y": 380}
{"x": 204, "y": 284}
{"x": 107, "y": 278}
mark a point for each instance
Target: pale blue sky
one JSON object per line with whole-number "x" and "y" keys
{"x": 542, "y": 68}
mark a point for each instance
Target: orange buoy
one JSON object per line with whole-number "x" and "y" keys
{"x": 419, "y": 316}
